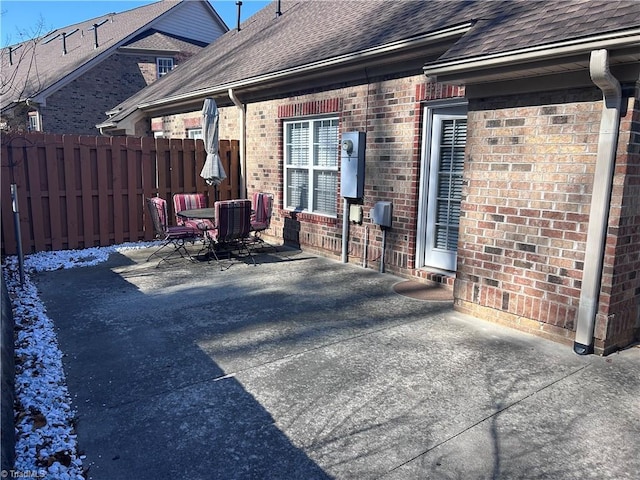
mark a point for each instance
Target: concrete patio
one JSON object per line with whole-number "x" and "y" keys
{"x": 305, "y": 368}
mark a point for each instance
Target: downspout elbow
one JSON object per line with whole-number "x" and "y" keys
{"x": 234, "y": 99}
{"x": 604, "y": 80}
{"x": 600, "y": 201}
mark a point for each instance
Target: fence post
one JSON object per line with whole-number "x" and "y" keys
{"x": 16, "y": 222}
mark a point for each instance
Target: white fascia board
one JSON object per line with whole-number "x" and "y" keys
{"x": 319, "y": 65}
{"x": 127, "y": 124}
{"x": 616, "y": 39}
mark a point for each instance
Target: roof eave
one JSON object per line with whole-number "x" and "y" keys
{"x": 334, "y": 62}
{"x": 464, "y": 71}
{"x": 126, "y": 126}
{"x": 42, "y": 94}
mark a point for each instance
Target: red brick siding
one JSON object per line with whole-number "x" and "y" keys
{"x": 193, "y": 122}
{"x": 389, "y": 112}
{"x": 526, "y": 210}
{"x": 80, "y": 105}
{"x": 618, "y": 319}
{"x": 176, "y": 126}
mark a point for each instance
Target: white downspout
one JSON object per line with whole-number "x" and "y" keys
{"x": 243, "y": 142}
{"x": 600, "y": 200}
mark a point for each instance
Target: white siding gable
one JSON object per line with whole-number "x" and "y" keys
{"x": 191, "y": 20}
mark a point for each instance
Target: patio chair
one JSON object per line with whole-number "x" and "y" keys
{"x": 173, "y": 238}
{"x": 188, "y": 201}
{"x": 232, "y": 228}
{"x": 261, "y": 216}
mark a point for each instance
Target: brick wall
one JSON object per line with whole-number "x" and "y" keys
{"x": 388, "y": 110}
{"x": 265, "y": 168}
{"x": 176, "y": 126}
{"x": 526, "y": 209}
{"x": 618, "y": 318}
{"x": 80, "y": 105}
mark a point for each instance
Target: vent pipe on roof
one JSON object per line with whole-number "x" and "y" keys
{"x": 278, "y": 10}
{"x": 64, "y": 43}
{"x": 11, "y": 50}
{"x": 239, "y": 4}
{"x": 95, "y": 32}
{"x": 64, "y": 40}
{"x": 600, "y": 201}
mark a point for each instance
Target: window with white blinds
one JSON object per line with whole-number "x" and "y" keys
{"x": 311, "y": 165}
{"x": 451, "y": 165}
{"x": 441, "y": 186}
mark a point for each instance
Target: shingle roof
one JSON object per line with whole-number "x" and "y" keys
{"x": 314, "y": 31}
{"x": 49, "y": 65}
{"x": 154, "y": 40}
{"x": 507, "y": 26}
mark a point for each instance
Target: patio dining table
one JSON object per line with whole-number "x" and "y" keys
{"x": 211, "y": 243}
{"x": 208, "y": 213}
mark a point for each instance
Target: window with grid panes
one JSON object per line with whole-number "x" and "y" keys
{"x": 311, "y": 156}
{"x": 34, "y": 122}
{"x": 165, "y": 65}
{"x": 194, "y": 133}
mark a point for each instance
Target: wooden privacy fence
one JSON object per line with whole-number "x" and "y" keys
{"x": 84, "y": 191}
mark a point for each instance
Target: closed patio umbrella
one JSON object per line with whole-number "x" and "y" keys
{"x": 213, "y": 170}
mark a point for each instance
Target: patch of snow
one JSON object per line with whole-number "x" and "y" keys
{"x": 46, "y": 443}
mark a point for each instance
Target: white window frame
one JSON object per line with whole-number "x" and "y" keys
{"x": 424, "y": 231}
{"x": 162, "y": 65}
{"x": 34, "y": 122}
{"x": 194, "y": 133}
{"x": 312, "y": 168}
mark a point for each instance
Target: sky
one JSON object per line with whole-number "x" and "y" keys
{"x": 25, "y": 16}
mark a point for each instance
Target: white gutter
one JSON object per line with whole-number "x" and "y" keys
{"x": 524, "y": 55}
{"x": 600, "y": 200}
{"x": 321, "y": 64}
{"x": 242, "y": 118}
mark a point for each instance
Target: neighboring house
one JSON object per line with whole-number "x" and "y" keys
{"x": 64, "y": 81}
{"x": 509, "y": 176}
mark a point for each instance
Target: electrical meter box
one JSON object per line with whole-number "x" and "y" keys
{"x": 381, "y": 214}
{"x": 352, "y": 164}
